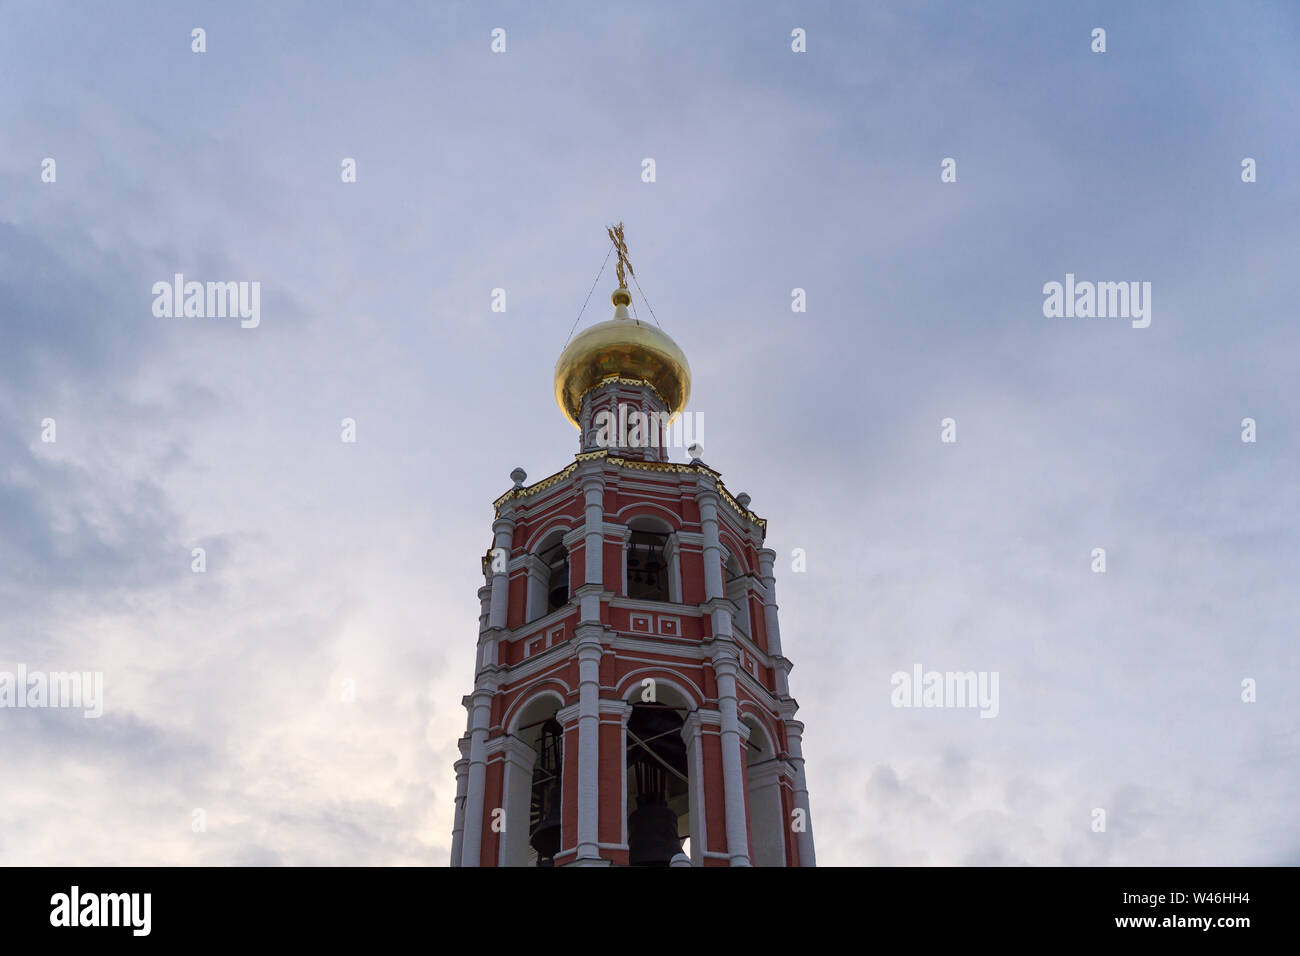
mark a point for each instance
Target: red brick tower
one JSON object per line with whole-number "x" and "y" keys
{"x": 630, "y": 703}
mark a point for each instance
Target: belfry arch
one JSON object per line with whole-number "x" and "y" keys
{"x": 533, "y": 783}
{"x": 662, "y": 810}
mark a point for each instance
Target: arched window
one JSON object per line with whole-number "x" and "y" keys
{"x": 650, "y": 565}
{"x": 647, "y": 566}
{"x": 548, "y": 576}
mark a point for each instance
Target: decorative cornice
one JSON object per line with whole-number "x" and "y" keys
{"x": 632, "y": 464}
{"x": 543, "y": 485}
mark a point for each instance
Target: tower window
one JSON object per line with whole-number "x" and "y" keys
{"x": 557, "y": 588}
{"x": 647, "y": 568}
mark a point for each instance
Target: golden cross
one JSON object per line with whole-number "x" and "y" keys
{"x": 620, "y": 244}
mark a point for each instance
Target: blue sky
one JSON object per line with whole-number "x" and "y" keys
{"x": 330, "y": 561}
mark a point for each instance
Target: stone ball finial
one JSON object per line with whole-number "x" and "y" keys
{"x": 680, "y": 859}
{"x": 519, "y": 476}
{"x": 743, "y": 500}
{"x": 696, "y": 451}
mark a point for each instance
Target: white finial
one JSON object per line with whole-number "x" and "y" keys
{"x": 519, "y": 476}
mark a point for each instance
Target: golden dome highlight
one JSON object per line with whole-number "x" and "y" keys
{"x": 622, "y": 347}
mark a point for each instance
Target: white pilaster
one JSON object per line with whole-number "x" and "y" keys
{"x": 794, "y": 741}
{"x": 518, "y": 791}
{"x": 503, "y": 530}
{"x": 708, "y": 500}
{"x": 733, "y": 780}
{"x": 480, "y": 718}
{"x": 462, "y": 785}
{"x": 484, "y": 607}
{"x": 593, "y": 490}
{"x": 693, "y": 731}
{"x": 589, "y": 653}
{"x": 766, "y": 560}
{"x": 538, "y": 591}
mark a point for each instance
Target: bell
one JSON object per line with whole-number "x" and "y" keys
{"x": 559, "y": 596}
{"x": 544, "y": 833}
{"x": 652, "y": 838}
{"x": 544, "y": 837}
{"x": 652, "y": 832}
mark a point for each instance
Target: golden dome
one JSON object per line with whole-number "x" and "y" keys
{"x": 622, "y": 347}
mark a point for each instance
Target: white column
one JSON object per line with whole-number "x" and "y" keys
{"x": 499, "y": 603}
{"x": 673, "y": 557}
{"x": 794, "y": 742}
{"x": 589, "y": 653}
{"x": 725, "y": 667}
{"x": 484, "y": 607}
{"x": 624, "y": 711}
{"x": 480, "y": 717}
{"x": 708, "y": 499}
{"x": 766, "y": 559}
{"x": 593, "y": 489}
{"x": 693, "y": 731}
{"x": 538, "y": 594}
{"x": 518, "y": 791}
{"x": 462, "y": 784}
{"x": 733, "y": 779}
{"x": 503, "y": 530}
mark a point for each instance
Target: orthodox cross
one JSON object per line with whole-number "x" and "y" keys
{"x": 620, "y": 244}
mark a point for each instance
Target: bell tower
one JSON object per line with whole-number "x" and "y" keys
{"x": 631, "y": 703}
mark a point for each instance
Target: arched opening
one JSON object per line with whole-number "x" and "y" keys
{"x": 650, "y": 565}
{"x": 548, "y": 576}
{"x": 658, "y": 784}
{"x": 763, "y": 795}
{"x": 534, "y": 785}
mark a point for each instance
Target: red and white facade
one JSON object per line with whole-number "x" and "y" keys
{"x": 569, "y": 630}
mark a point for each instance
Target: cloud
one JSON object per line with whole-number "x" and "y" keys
{"x": 330, "y": 562}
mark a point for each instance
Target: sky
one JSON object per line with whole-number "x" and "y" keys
{"x": 334, "y": 565}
